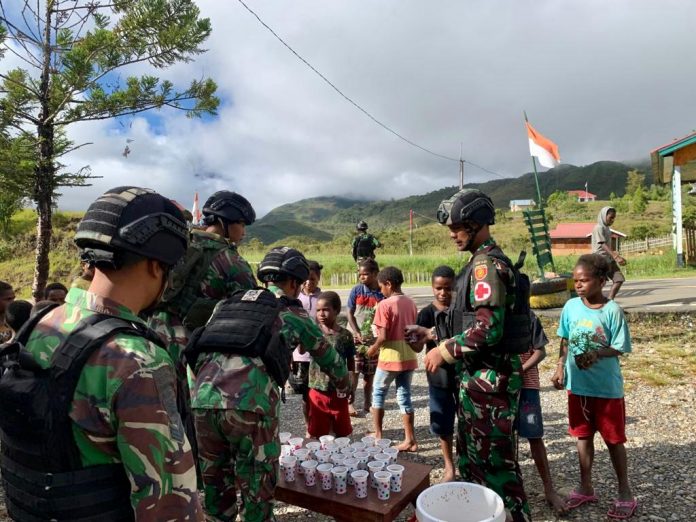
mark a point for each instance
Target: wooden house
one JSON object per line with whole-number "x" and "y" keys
{"x": 576, "y": 239}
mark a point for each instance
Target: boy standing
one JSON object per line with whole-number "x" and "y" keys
{"x": 601, "y": 244}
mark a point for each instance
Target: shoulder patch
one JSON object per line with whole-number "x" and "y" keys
{"x": 166, "y": 387}
{"x": 482, "y": 291}
{"x": 480, "y": 272}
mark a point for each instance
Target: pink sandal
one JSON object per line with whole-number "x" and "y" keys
{"x": 622, "y": 509}
{"x": 575, "y": 500}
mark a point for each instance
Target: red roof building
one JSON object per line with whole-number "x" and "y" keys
{"x": 583, "y": 196}
{"x": 576, "y": 239}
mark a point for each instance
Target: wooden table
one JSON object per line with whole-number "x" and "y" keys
{"x": 347, "y": 507}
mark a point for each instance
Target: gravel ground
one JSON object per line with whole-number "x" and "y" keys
{"x": 661, "y": 451}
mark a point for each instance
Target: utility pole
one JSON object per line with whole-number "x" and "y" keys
{"x": 461, "y": 167}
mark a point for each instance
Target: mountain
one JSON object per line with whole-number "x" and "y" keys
{"x": 324, "y": 217}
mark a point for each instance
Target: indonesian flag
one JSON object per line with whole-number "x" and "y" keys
{"x": 545, "y": 150}
{"x": 195, "y": 210}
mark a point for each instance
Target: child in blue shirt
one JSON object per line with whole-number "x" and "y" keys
{"x": 594, "y": 333}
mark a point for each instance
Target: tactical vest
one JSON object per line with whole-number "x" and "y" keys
{"x": 365, "y": 247}
{"x": 461, "y": 315}
{"x": 243, "y": 325}
{"x": 42, "y": 470}
{"x": 183, "y": 295}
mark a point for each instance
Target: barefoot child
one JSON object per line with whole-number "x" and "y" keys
{"x": 361, "y": 305}
{"x": 601, "y": 244}
{"x": 530, "y": 424}
{"x": 328, "y": 413}
{"x": 442, "y": 385}
{"x": 397, "y": 360}
{"x": 594, "y": 333}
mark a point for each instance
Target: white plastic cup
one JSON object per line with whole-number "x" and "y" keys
{"x": 392, "y": 452}
{"x": 302, "y": 454}
{"x": 295, "y": 443}
{"x": 324, "y": 472}
{"x": 384, "y": 458}
{"x": 373, "y": 467}
{"x": 397, "y": 476}
{"x": 352, "y": 465}
{"x": 383, "y": 443}
{"x": 383, "y": 479}
{"x": 359, "y": 446}
{"x": 368, "y": 440}
{"x": 313, "y": 447}
{"x": 363, "y": 457}
{"x": 323, "y": 456}
{"x": 348, "y": 451}
{"x": 448, "y": 501}
{"x": 324, "y": 439}
{"x": 360, "y": 481}
{"x": 337, "y": 459}
{"x": 288, "y": 465}
{"x": 310, "y": 472}
{"x": 342, "y": 442}
{"x": 332, "y": 447}
{"x": 284, "y": 437}
{"x": 340, "y": 479}
{"x": 373, "y": 450}
{"x": 285, "y": 450}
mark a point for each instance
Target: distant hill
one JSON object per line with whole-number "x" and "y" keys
{"x": 324, "y": 217}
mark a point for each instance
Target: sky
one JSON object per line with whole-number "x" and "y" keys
{"x": 604, "y": 80}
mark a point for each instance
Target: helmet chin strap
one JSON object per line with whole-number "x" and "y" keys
{"x": 473, "y": 232}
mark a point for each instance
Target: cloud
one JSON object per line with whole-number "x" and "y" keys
{"x": 604, "y": 80}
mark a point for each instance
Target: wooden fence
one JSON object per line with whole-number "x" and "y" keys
{"x": 645, "y": 245}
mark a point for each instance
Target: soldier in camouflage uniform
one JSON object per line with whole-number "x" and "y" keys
{"x": 491, "y": 380}
{"x": 364, "y": 244}
{"x": 236, "y": 404}
{"x": 123, "y": 410}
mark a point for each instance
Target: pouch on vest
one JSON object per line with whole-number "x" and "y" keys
{"x": 365, "y": 248}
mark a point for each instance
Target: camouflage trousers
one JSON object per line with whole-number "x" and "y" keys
{"x": 486, "y": 446}
{"x": 238, "y": 450}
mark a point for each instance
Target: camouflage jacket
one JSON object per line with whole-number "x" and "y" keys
{"x": 491, "y": 292}
{"x": 368, "y": 238}
{"x": 124, "y": 410}
{"x": 233, "y": 382}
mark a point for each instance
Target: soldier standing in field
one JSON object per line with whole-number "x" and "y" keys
{"x": 486, "y": 334}
{"x": 364, "y": 244}
{"x": 236, "y": 400}
{"x": 98, "y": 436}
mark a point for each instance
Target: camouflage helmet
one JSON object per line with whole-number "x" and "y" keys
{"x": 361, "y": 226}
{"x": 229, "y": 206}
{"x": 467, "y": 205}
{"x": 281, "y": 263}
{"x": 132, "y": 223}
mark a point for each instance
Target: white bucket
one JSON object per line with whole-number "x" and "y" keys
{"x": 459, "y": 502}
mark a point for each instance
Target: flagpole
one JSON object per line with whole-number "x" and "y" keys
{"x": 536, "y": 175}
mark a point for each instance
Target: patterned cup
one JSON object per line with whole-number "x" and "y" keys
{"x": 323, "y": 456}
{"x": 373, "y": 467}
{"x": 392, "y": 452}
{"x": 342, "y": 442}
{"x": 383, "y": 443}
{"x": 310, "y": 472}
{"x": 373, "y": 450}
{"x": 359, "y": 446}
{"x": 360, "y": 481}
{"x": 284, "y": 437}
{"x": 397, "y": 475}
{"x": 352, "y": 465}
{"x": 295, "y": 443}
{"x": 285, "y": 450}
{"x": 340, "y": 479}
{"x": 348, "y": 451}
{"x": 368, "y": 440}
{"x": 383, "y": 479}
{"x": 324, "y": 439}
{"x": 384, "y": 458}
{"x": 302, "y": 454}
{"x": 288, "y": 465}
{"x": 338, "y": 459}
{"x": 324, "y": 472}
{"x": 313, "y": 447}
{"x": 363, "y": 457}
{"x": 331, "y": 446}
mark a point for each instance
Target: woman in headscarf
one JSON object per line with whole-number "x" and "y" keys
{"x": 601, "y": 244}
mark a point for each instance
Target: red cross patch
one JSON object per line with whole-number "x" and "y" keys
{"x": 482, "y": 291}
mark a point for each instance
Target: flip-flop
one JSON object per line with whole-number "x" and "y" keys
{"x": 626, "y": 509}
{"x": 575, "y": 500}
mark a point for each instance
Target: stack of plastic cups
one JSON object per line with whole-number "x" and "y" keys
{"x": 322, "y": 456}
{"x": 383, "y": 443}
{"x": 368, "y": 440}
{"x": 360, "y": 480}
{"x": 310, "y": 472}
{"x": 340, "y": 479}
{"x": 324, "y": 471}
{"x": 392, "y": 452}
{"x": 313, "y": 447}
{"x": 383, "y": 479}
{"x": 373, "y": 467}
{"x": 325, "y": 439}
{"x": 295, "y": 443}
{"x": 363, "y": 457}
{"x": 302, "y": 454}
{"x": 352, "y": 465}
{"x": 397, "y": 476}
{"x": 342, "y": 442}
{"x": 288, "y": 465}
{"x": 284, "y": 437}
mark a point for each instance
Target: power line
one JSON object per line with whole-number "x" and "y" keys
{"x": 355, "y": 104}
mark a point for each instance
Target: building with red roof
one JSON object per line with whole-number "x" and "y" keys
{"x": 582, "y": 195}
{"x": 576, "y": 239}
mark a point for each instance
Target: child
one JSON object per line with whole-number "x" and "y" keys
{"x": 529, "y": 422}
{"x": 310, "y": 289}
{"x": 442, "y": 385}
{"x": 361, "y": 305}
{"x": 601, "y": 244}
{"x": 397, "y": 360}
{"x": 328, "y": 413}
{"x": 594, "y": 334}
{"x": 7, "y": 295}
{"x": 55, "y": 292}
{"x": 17, "y": 314}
